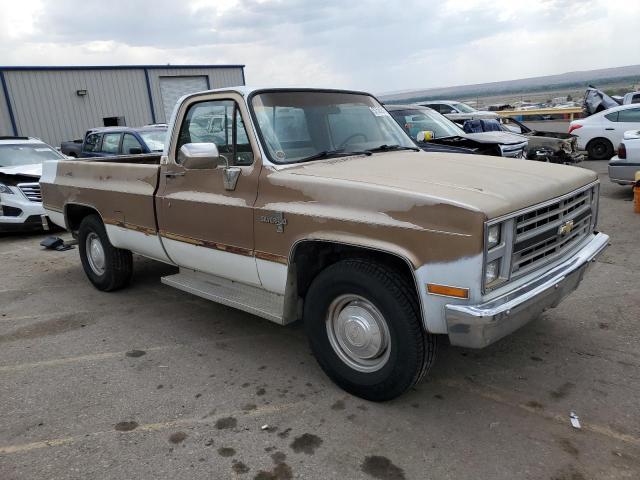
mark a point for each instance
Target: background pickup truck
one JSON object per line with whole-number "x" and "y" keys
{"x": 109, "y": 141}
{"x": 72, "y": 148}
{"x": 316, "y": 205}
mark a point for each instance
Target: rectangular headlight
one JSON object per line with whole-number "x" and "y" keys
{"x": 492, "y": 272}
{"x": 493, "y": 235}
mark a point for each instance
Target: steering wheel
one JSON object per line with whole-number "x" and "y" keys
{"x": 347, "y": 141}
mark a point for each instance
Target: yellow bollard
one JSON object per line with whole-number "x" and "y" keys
{"x": 636, "y": 193}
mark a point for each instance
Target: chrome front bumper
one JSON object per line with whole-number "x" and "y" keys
{"x": 476, "y": 326}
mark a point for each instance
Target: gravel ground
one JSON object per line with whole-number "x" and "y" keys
{"x": 152, "y": 383}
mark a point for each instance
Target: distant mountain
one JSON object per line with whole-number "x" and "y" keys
{"x": 535, "y": 84}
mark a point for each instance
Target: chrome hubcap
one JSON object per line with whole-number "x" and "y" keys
{"x": 95, "y": 253}
{"x": 358, "y": 333}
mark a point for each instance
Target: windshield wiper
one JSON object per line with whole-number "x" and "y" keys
{"x": 386, "y": 148}
{"x": 332, "y": 154}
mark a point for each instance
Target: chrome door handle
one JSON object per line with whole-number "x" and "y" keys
{"x": 173, "y": 174}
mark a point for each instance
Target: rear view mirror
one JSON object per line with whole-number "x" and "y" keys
{"x": 424, "y": 136}
{"x": 200, "y": 156}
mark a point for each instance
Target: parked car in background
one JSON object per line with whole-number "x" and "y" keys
{"x": 554, "y": 147}
{"x": 20, "y": 169}
{"x": 72, "y": 148}
{"x": 415, "y": 119}
{"x": 320, "y": 208}
{"x": 458, "y": 111}
{"x": 601, "y": 132}
{"x": 623, "y": 167}
{"x": 108, "y": 141}
{"x": 631, "y": 97}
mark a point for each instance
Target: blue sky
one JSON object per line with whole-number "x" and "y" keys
{"x": 368, "y": 45}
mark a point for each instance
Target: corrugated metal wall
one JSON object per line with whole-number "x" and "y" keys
{"x": 218, "y": 78}
{"x": 5, "y": 120}
{"x": 45, "y": 103}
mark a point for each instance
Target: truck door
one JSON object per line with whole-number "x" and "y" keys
{"x": 205, "y": 215}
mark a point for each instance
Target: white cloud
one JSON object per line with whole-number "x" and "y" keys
{"x": 17, "y": 18}
{"x": 368, "y": 45}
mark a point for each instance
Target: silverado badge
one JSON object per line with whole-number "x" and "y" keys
{"x": 276, "y": 219}
{"x": 565, "y": 228}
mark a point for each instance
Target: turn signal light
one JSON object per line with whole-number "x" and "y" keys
{"x": 447, "y": 291}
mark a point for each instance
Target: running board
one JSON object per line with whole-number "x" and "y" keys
{"x": 238, "y": 295}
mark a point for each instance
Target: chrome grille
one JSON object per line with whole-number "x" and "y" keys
{"x": 31, "y": 191}
{"x": 548, "y": 232}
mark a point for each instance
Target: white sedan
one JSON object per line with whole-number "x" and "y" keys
{"x": 601, "y": 133}
{"x": 458, "y": 111}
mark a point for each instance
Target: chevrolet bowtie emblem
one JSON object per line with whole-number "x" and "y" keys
{"x": 565, "y": 228}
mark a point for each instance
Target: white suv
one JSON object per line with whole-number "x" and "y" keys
{"x": 20, "y": 170}
{"x": 601, "y": 133}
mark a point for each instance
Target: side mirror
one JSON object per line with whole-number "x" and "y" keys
{"x": 200, "y": 156}
{"x": 135, "y": 151}
{"x": 424, "y": 136}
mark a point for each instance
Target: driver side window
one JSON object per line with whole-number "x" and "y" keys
{"x": 214, "y": 122}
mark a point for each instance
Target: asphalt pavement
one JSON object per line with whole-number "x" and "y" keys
{"x": 152, "y": 383}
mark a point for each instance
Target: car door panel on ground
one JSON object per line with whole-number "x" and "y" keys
{"x": 215, "y": 225}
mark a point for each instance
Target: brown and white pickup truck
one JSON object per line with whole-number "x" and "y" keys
{"x": 315, "y": 205}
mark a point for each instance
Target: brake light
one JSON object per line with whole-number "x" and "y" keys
{"x": 574, "y": 127}
{"x": 622, "y": 151}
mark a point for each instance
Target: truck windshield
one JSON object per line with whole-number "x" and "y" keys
{"x": 15, "y": 155}
{"x": 301, "y": 125}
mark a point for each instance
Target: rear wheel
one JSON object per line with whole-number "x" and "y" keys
{"x": 107, "y": 267}
{"x": 364, "y": 327}
{"x": 600, "y": 149}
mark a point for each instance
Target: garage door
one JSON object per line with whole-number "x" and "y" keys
{"x": 172, "y": 88}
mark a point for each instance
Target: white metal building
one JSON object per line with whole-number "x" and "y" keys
{"x": 62, "y": 103}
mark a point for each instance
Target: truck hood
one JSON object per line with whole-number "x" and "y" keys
{"x": 504, "y": 138}
{"x": 34, "y": 170}
{"x": 494, "y": 186}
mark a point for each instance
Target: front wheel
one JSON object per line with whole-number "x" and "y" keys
{"x": 364, "y": 327}
{"x": 107, "y": 267}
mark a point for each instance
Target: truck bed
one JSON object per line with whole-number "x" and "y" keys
{"x": 120, "y": 188}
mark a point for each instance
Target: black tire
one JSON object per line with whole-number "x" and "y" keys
{"x": 600, "y": 149}
{"x": 412, "y": 350}
{"x": 118, "y": 263}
